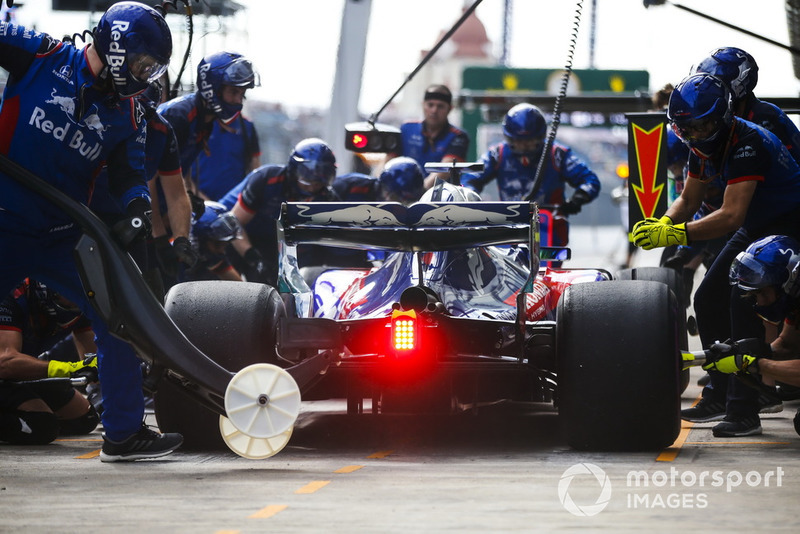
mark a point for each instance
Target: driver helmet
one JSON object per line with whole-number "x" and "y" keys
{"x": 135, "y": 44}
{"x": 224, "y": 68}
{"x": 216, "y": 224}
{"x": 766, "y": 262}
{"x": 733, "y": 66}
{"x": 311, "y": 166}
{"x": 700, "y": 112}
{"x": 402, "y": 180}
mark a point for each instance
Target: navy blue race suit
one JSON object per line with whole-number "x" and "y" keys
{"x": 515, "y": 175}
{"x": 755, "y": 154}
{"x": 451, "y": 144}
{"x": 59, "y": 125}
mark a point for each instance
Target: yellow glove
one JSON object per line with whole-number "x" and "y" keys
{"x": 650, "y": 234}
{"x": 87, "y": 367}
{"x": 734, "y": 363}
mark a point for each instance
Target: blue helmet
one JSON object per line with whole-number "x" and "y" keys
{"x": 524, "y": 121}
{"x": 312, "y": 165}
{"x": 224, "y": 68}
{"x": 766, "y": 262}
{"x": 216, "y": 224}
{"x": 135, "y": 44}
{"x": 700, "y": 112}
{"x": 733, "y": 66}
{"x": 402, "y": 180}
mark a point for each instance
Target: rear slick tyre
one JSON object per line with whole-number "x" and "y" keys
{"x": 618, "y": 365}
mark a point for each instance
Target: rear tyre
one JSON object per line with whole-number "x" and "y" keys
{"x": 234, "y": 324}
{"x": 618, "y": 365}
{"x": 675, "y": 282}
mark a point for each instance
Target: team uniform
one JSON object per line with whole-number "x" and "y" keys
{"x": 451, "y": 144}
{"x": 186, "y": 114}
{"x": 226, "y": 163}
{"x": 515, "y": 175}
{"x": 57, "y": 125}
{"x": 261, "y": 193}
{"x": 754, "y": 154}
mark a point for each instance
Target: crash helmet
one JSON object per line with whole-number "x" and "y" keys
{"x": 216, "y": 224}
{"x": 135, "y": 44}
{"x": 766, "y": 262}
{"x": 733, "y": 66}
{"x": 524, "y": 121}
{"x": 402, "y": 180}
{"x": 219, "y": 69}
{"x": 700, "y": 111}
{"x": 312, "y": 165}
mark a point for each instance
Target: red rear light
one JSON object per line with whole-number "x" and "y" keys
{"x": 405, "y": 331}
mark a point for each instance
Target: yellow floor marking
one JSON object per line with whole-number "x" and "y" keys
{"x": 269, "y": 511}
{"x": 311, "y": 487}
{"x": 738, "y": 442}
{"x": 88, "y": 455}
{"x": 670, "y": 453}
{"x": 380, "y": 454}
{"x": 227, "y": 532}
{"x": 349, "y": 469}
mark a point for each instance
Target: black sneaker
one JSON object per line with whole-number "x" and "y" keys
{"x": 704, "y": 411}
{"x": 145, "y": 443}
{"x": 769, "y": 404}
{"x": 735, "y": 428}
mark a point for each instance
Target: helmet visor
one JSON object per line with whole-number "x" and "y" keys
{"x": 240, "y": 73}
{"x": 225, "y": 228}
{"x": 696, "y": 130}
{"x": 145, "y": 68}
{"x": 748, "y": 273}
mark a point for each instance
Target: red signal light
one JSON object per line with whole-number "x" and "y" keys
{"x": 359, "y": 140}
{"x": 405, "y": 331}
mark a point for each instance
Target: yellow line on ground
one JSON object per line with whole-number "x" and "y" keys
{"x": 670, "y": 453}
{"x": 380, "y": 454}
{"x": 311, "y": 487}
{"x": 227, "y": 532}
{"x": 348, "y": 469}
{"x": 269, "y": 511}
{"x": 738, "y": 442}
{"x": 88, "y": 455}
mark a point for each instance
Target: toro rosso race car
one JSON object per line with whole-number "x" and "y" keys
{"x": 461, "y": 312}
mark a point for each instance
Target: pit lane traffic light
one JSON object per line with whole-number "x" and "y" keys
{"x": 366, "y": 137}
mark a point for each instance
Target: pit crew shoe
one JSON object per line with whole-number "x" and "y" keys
{"x": 738, "y": 427}
{"x": 144, "y": 444}
{"x": 769, "y": 404}
{"x": 704, "y": 411}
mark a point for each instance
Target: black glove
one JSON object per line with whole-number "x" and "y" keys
{"x": 737, "y": 356}
{"x": 574, "y": 204}
{"x": 184, "y": 252}
{"x": 256, "y": 266}
{"x": 198, "y": 205}
{"x": 166, "y": 256}
{"x": 137, "y": 226}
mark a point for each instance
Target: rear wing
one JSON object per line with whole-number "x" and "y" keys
{"x": 423, "y": 226}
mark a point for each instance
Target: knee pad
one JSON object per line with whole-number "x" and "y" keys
{"x": 28, "y": 428}
{"x": 79, "y": 426}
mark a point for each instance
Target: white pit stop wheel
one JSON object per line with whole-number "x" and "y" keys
{"x": 262, "y": 401}
{"x": 249, "y": 447}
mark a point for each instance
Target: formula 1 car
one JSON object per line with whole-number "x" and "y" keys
{"x": 461, "y": 312}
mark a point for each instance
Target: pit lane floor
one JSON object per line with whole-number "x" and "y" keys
{"x": 504, "y": 469}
